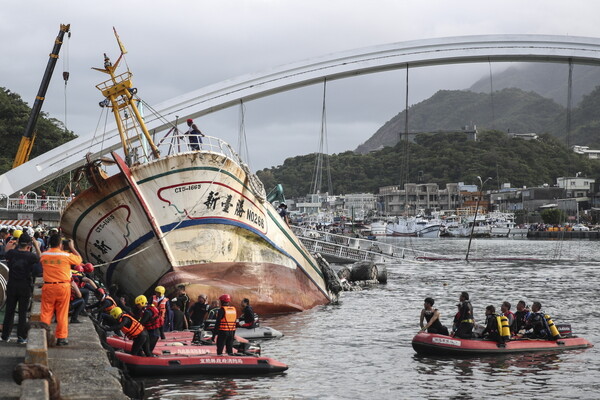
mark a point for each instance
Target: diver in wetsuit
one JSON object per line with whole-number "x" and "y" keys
{"x": 464, "y": 318}
{"x": 432, "y": 316}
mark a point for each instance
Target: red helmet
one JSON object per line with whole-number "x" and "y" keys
{"x": 88, "y": 268}
{"x": 225, "y": 298}
{"x": 78, "y": 268}
{"x": 100, "y": 291}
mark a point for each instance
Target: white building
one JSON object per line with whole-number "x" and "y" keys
{"x": 592, "y": 154}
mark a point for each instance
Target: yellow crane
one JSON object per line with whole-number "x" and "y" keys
{"x": 29, "y": 136}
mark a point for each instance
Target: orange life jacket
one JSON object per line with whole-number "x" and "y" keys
{"x": 228, "y": 320}
{"x": 134, "y": 329}
{"x": 111, "y": 306}
{"x": 161, "y": 305}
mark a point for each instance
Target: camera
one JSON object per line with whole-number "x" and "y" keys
{"x": 65, "y": 244}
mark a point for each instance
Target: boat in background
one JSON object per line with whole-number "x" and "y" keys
{"x": 186, "y": 210}
{"x": 414, "y": 226}
{"x": 495, "y": 224}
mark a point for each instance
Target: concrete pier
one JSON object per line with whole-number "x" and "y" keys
{"x": 82, "y": 367}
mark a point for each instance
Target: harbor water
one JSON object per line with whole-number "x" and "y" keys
{"x": 361, "y": 347}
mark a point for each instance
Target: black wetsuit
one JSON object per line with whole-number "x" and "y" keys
{"x": 197, "y": 313}
{"x": 519, "y": 322}
{"x": 492, "y": 330}
{"x": 139, "y": 346}
{"x": 465, "y": 321}
{"x": 437, "y": 326}
{"x": 537, "y": 322}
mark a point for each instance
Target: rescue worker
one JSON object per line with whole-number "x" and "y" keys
{"x": 21, "y": 263}
{"x": 182, "y": 301}
{"x": 465, "y": 321}
{"x": 432, "y": 316}
{"x": 248, "y": 318}
{"x": 77, "y": 303}
{"x": 149, "y": 317}
{"x": 199, "y": 311}
{"x": 161, "y": 303}
{"x": 225, "y": 326}
{"x": 56, "y": 292}
{"x": 492, "y": 329}
{"x": 520, "y": 317}
{"x": 132, "y": 329}
{"x": 505, "y": 309}
{"x": 536, "y": 323}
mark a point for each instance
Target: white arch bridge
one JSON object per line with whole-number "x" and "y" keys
{"x": 451, "y": 50}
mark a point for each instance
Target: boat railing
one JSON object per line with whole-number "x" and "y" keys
{"x": 177, "y": 143}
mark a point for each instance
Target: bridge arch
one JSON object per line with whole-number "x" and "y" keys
{"x": 418, "y": 53}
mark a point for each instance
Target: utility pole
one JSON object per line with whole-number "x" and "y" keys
{"x": 475, "y": 217}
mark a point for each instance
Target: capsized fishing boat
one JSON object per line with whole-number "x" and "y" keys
{"x": 186, "y": 211}
{"x": 440, "y": 345}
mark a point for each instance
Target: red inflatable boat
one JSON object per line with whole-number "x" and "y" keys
{"x": 206, "y": 364}
{"x": 179, "y": 348}
{"x": 439, "y": 345}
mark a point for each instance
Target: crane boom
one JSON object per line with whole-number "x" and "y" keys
{"x": 29, "y": 136}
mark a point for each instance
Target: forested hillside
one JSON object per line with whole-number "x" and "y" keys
{"x": 439, "y": 158}
{"x": 14, "y": 114}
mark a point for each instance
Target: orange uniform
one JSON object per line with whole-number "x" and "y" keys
{"x": 56, "y": 292}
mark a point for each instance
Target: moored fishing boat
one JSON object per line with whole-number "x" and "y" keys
{"x": 193, "y": 215}
{"x": 440, "y": 345}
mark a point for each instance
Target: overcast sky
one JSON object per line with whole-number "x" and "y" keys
{"x": 179, "y": 46}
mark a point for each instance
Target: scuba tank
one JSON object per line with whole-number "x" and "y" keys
{"x": 503, "y": 327}
{"x": 553, "y": 330}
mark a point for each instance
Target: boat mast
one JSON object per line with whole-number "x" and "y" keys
{"x": 119, "y": 95}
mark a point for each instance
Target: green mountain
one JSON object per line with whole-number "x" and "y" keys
{"x": 439, "y": 158}
{"x": 14, "y": 114}
{"x": 509, "y": 110}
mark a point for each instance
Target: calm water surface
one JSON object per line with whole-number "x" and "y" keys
{"x": 361, "y": 347}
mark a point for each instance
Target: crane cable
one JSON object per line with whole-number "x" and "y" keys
{"x": 66, "y": 73}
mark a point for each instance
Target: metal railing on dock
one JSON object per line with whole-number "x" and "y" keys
{"x": 340, "y": 248}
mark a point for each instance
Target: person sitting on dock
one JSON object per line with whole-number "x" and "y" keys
{"x": 224, "y": 329}
{"x": 248, "y": 318}
{"x": 505, "y": 309}
{"x": 520, "y": 317}
{"x": 133, "y": 330}
{"x": 432, "y": 316}
{"x": 149, "y": 317}
{"x": 492, "y": 328}
{"x": 536, "y": 323}
{"x": 465, "y": 320}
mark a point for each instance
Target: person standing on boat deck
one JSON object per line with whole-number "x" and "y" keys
{"x": 225, "y": 326}
{"x": 505, "y": 308}
{"x": 492, "y": 330}
{"x": 282, "y": 210}
{"x": 432, "y": 316}
{"x": 465, "y": 318}
{"x": 520, "y": 316}
{"x": 247, "y": 320}
{"x": 183, "y": 302}
{"x": 20, "y": 262}
{"x": 56, "y": 292}
{"x": 195, "y": 136}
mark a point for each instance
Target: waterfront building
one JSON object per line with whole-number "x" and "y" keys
{"x": 413, "y": 198}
